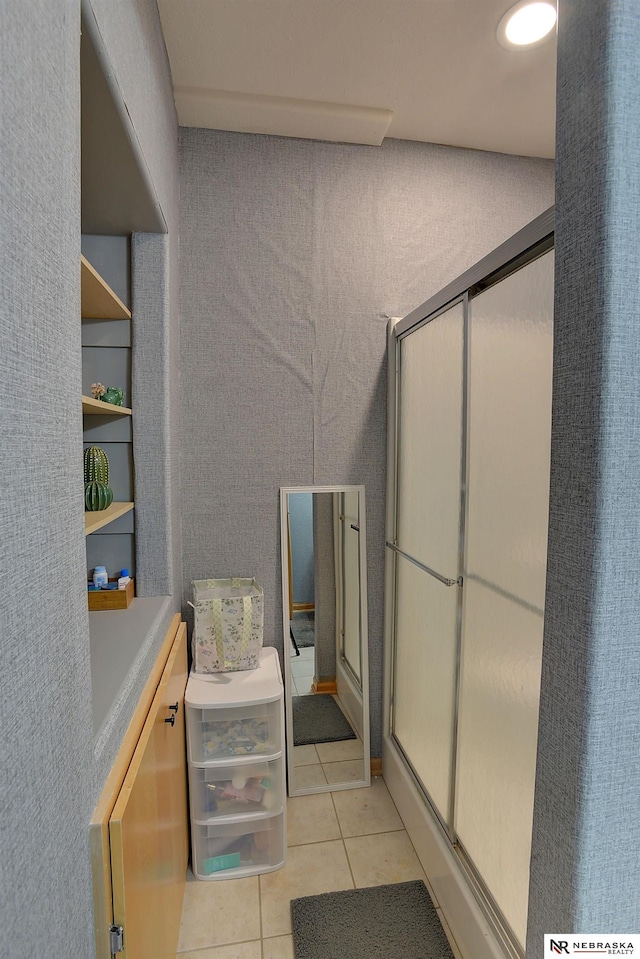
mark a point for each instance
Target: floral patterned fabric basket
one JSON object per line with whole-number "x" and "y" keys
{"x": 227, "y": 634}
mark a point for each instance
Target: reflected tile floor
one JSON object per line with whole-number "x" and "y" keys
{"x": 329, "y": 848}
{"x": 324, "y": 763}
{"x": 302, "y": 668}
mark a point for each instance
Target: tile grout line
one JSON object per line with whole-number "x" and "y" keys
{"x": 260, "y": 913}
{"x": 333, "y": 803}
{"x": 363, "y": 835}
{"x": 344, "y": 845}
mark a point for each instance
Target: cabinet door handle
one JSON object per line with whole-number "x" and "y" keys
{"x": 170, "y": 719}
{"x": 175, "y": 708}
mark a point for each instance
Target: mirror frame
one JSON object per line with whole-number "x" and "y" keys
{"x": 364, "y": 639}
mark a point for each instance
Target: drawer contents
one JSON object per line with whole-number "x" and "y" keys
{"x": 235, "y": 737}
{"x": 239, "y": 731}
{"x": 251, "y": 845}
{"x": 252, "y": 788}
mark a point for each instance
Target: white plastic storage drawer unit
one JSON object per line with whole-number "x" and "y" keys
{"x": 235, "y": 743}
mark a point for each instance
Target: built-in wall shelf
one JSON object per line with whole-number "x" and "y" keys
{"x": 100, "y": 302}
{"x": 98, "y": 299}
{"x": 89, "y": 405}
{"x": 94, "y": 521}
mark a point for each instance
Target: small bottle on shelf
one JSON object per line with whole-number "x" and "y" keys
{"x": 124, "y": 579}
{"x": 100, "y": 576}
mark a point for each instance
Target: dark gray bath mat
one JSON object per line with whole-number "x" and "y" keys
{"x": 303, "y": 628}
{"x": 318, "y": 719}
{"x": 398, "y": 921}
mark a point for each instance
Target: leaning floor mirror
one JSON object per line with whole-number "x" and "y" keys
{"x": 324, "y": 604}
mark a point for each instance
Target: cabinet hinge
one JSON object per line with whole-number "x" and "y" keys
{"x": 116, "y": 939}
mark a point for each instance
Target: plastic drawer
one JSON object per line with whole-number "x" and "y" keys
{"x": 232, "y": 790}
{"x": 221, "y": 733}
{"x": 242, "y": 848}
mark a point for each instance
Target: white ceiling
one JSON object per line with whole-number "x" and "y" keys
{"x": 360, "y": 70}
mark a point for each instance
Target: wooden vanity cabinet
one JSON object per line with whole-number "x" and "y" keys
{"x": 139, "y": 832}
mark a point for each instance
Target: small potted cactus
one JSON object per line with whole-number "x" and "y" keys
{"x": 98, "y": 494}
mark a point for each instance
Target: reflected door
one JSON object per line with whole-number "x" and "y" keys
{"x": 350, "y": 598}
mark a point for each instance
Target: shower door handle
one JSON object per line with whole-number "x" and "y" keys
{"x": 445, "y": 580}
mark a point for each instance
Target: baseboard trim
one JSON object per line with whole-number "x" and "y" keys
{"x": 325, "y": 686}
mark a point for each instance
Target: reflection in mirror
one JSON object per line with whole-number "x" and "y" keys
{"x": 324, "y": 602}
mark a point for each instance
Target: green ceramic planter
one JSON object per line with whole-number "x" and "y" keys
{"x": 113, "y": 395}
{"x": 98, "y": 495}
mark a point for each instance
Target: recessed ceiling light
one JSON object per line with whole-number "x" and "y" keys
{"x": 527, "y": 24}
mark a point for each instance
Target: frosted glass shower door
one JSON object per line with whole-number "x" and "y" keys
{"x": 430, "y": 442}
{"x": 426, "y": 622}
{"x": 430, "y": 417}
{"x": 509, "y": 429}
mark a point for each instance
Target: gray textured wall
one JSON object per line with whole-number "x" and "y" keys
{"x": 51, "y": 774}
{"x": 45, "y": 713}
{"x": 292, "y": 255}
{"x": 585, "y": 871}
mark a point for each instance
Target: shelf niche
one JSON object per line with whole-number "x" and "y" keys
{"x": 118, "y": 199}
{"x": 106, "y": 341}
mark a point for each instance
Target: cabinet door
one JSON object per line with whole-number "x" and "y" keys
{"x": 149, "y": 826}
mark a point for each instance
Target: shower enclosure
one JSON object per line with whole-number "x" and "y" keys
{"x": 467, "y": 518}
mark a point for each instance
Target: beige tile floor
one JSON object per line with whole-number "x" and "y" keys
{"x": 341, "y": 840}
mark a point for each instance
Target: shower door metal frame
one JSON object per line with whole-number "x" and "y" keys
{"x": 525, "y": 246}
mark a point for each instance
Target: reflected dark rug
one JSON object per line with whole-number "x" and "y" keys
{"x": 303, "y": 627}
{"x": 397, "y": 921}
{"x": 319, "y": 719}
